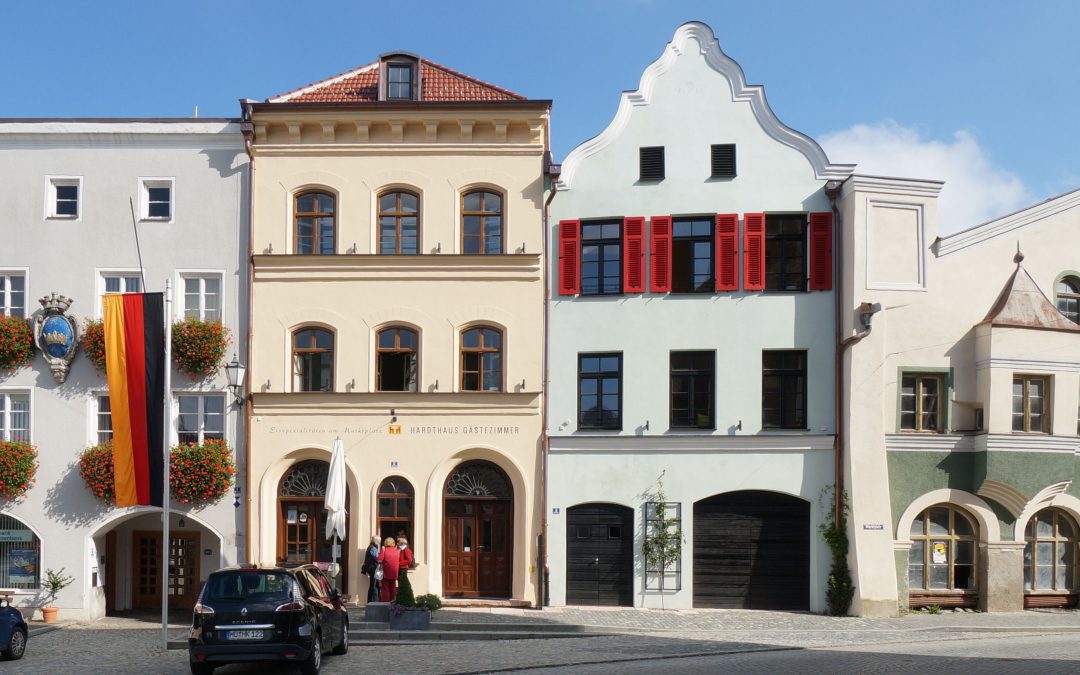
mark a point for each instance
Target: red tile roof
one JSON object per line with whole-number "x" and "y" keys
{"x": 361, "y": 85}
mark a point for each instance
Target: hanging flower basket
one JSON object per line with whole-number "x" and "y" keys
{"x": 18, "y": 467}
{"x": 96, "y": 469}
{"x": 200, "y": 474}
{"x": 93, "y": 343}
{"x": 198, "y": 347}
{"x": 16, "y": 343}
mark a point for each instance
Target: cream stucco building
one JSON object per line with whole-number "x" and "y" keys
{"x": 398, "y": 293}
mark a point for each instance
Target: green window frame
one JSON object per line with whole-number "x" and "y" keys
{"x": 944, "y": 399}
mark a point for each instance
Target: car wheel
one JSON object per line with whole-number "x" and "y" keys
{"x": 314, "y": 662}
{"x": 201, "y": 668}
{"x": 16, "y": 646}
{"x": 343, "y": 646}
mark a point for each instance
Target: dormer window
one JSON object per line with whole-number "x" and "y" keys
{"x": 400, "y": 77}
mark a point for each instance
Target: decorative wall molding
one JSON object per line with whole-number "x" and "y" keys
{"x": 929, "y": 443}
{"x": 989, "y": 529}
{"x": 709, "y": 47}
{"x": 1028, "y": 443}
{"x": 1030, "y": 365}
{"x": 911, "y": 187}
{"x": 1003, "y": 493}
{"x": 1005, "y": 224}
{"x": 920, "y": 247}
{"x": 688, "y": 443}
{"x": 1052, "y": 495}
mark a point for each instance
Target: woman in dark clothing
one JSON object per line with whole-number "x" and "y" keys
{"x": 371, "y": 563}
{"x": 390, "y": 557}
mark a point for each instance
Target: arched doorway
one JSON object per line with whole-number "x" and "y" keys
{"x": 600, "y": 555}
{"x": 478, "y": 521}
{"x": 301, "y": 530}
{"x": 752, "y": 551}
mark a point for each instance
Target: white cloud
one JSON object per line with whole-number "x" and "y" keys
{"x": 976, "y": 189}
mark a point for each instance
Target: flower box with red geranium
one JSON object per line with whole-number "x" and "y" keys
{"x": 96, "y": 469}
{"x": 18, "y": 467}
{"x": 16, "y": 343}
{"x": 201, "y": 473}
{"x": 93, "y": 343}
{"x": 198, "y": 347}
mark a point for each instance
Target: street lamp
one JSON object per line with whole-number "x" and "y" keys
{"x": 235, "y": 372}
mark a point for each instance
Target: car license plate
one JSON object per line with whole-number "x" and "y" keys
{"x": 243, "y": 635}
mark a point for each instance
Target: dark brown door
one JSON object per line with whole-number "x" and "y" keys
{"x": 302, "y": 535}
{"x": 477, "y": 548}
{"x": 600, "y": 555}
{"x": 110, "y": 572}
{"x": 183, "y": 569}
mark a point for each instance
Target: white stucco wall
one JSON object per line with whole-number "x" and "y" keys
{"x": 207, "y": 233}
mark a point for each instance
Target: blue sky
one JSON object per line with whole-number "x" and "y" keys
{"x": 981, "y": 93}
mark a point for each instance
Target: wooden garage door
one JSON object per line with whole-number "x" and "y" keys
{"x": 752, "y": 551}
{"x": 600, "y": 555}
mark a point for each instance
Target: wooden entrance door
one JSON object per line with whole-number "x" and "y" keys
{"x": 600, "y": 555}
{"x": 302, "y": 535}
{"x": 183, "y": 569}
{"x": 477, "y": 548}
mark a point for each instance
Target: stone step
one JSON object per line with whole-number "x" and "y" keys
{"x": 377, "y": 636}
{"x": 503, "y": 627}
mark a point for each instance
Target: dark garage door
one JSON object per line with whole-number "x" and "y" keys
{"x": 600, "y": 555}
{"x": 752, "y": 551}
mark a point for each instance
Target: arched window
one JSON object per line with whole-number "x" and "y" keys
{"x": 942, "y": 556}
{"x": 313, "y": 360}
{"x": 1050, "y": 552}
{"x": 396, "y": 509}
{"x": 397, "y": 359}
{"x": 481, "y": 359}
{"x": 398, "y": 223}
{"x": 1067, "y": 292}
{"x": 20, "y": 555}
{"x": 481, "y": 223}
{"x": 314, "y": 223}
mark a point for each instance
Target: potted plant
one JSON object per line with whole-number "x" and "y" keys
{"x": 18, "y": 466}
{"x": 54, "y": 583}
{"x": 409, "y": 613}
{"x": 93, "y": 343}
{"x": 96, "y": 469}
{"x": 198, "y": 347}
{"x": 201, "y": 473}
{"x": 16, "y": 343}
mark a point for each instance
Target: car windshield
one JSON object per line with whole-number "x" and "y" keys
{"x": 248, "y": 587}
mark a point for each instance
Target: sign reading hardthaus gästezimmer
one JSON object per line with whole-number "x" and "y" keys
{"x": 396, "y": 429}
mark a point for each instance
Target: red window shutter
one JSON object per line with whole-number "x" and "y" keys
{"x": 633, "y": 255}
{"x": 821, "y": 251}
{"x": 727, "y": 252}
{"x": 754, "y": 251}
{"x": 569, "y": 254}
{"x": 660, "y": 255}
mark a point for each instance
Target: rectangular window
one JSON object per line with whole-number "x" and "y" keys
{"x": 201, "y": 417}
{"x": 785, "y": 252}
{"x": 692, "y": 383}
{"x": 63, "y": 197}
{"x": 600, "y": 391}
{"x": 783, "y": 389}
{"x": 104, "y": 419}
{"x": 1029, "y": 407}
{"x": 157, "y": 198}
{"x": 601, "y": 258}
{"x": 399, "y": 81}
{"x": 692, "y": 266}
{"x": 15, "y": 416}
{"x": 651, "y": 163}
{"x": 202, "y": 296}
{"x": 921, "y": 399}
{"x": 723, "y": 160}
{"x": 13, "y": 294}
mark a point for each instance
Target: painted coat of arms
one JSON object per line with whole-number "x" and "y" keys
{"x": 56, "y": 334}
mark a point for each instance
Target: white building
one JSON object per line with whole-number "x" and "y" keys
{"x": 692, "y": 335}
{"x": 67, "y": 227}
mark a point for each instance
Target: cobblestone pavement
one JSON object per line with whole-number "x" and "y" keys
{"x": 117, "y": 645}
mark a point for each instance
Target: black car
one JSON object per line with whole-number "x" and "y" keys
{"x": 267, "y": 613}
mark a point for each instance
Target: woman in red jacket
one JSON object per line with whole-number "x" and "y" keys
{"x": 406, "y": 555}
{"x": 390, "y": 559}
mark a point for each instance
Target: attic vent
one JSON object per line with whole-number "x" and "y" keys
{"x": 652, "y": 163}
{"x": 723, "y": 160}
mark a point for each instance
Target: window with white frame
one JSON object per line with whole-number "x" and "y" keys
{"x": 15, "y": 416}
{"x": 119, "y": 282}
{"x": 202, "y": 417}
{"x": 63, "y": 197}
{"x": 157, "y": 198}
{"x": 13, "y": 294}
{"x": 103, "y": 428}
{"x": 202, "y": 296}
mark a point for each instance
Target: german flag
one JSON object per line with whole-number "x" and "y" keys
{"x": 135, "y": 368}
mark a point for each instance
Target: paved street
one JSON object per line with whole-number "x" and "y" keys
{"x": 700, "y": 642}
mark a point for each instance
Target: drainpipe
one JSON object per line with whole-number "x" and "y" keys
{"x": 248, "y": 130}
{"x": 552, "y": 171}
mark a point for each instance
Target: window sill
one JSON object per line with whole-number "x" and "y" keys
{"x": 58, "y": 217}
{"x": 921, "y": 432}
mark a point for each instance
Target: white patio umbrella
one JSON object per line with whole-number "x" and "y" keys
{"x": 335, "y": 494}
